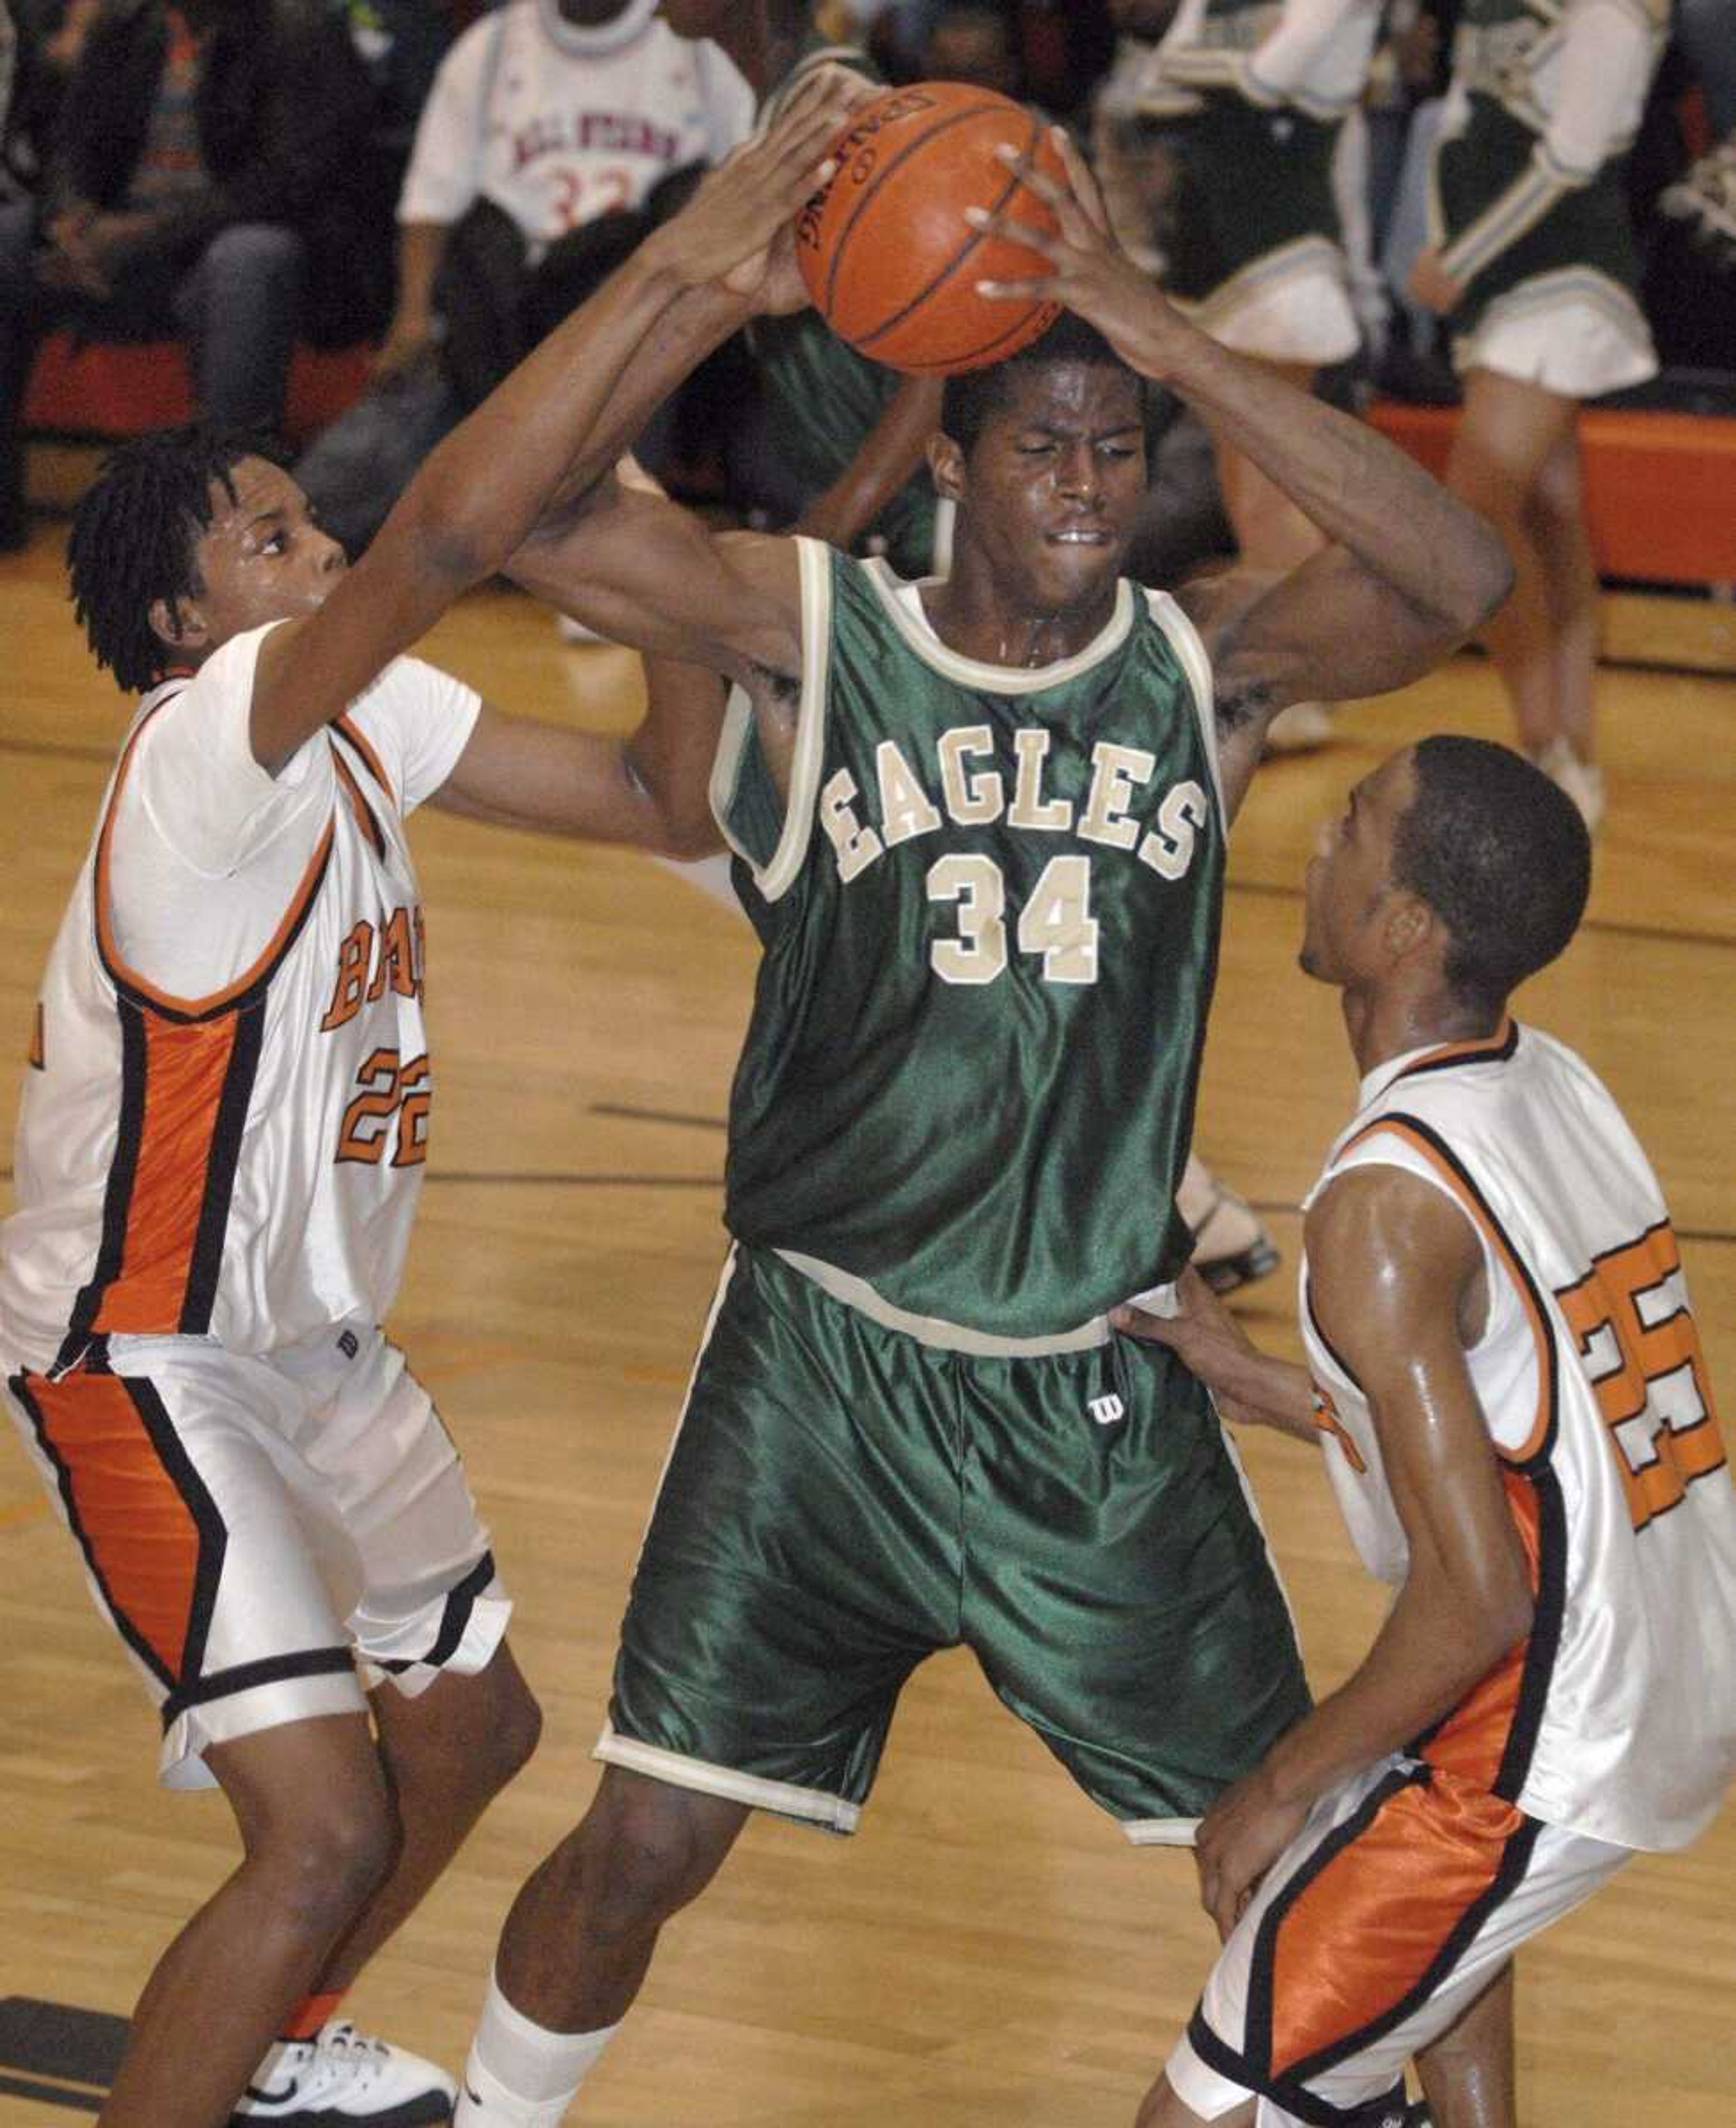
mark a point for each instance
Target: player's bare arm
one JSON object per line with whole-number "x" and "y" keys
{"x": 1397, "y": 1287}
{"x": 648, "y": 789}
{"x": 889, "y": 454}
{"x": 1412, "y": 572}
{"x": 558, "y": 417}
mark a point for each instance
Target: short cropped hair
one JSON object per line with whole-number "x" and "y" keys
{"x": 134, "y": 533}
{"x": 972, "y": 399}
{"x": 1501, "y": 855}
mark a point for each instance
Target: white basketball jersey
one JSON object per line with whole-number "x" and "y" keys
{"x": 1617, "y": 1717}
{"x": 240, "y": 1161}
{"x": 556, "y": 124}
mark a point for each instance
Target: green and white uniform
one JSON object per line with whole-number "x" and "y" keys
{"x": 824, "y": 397}
{"x": 990, "y": 915}
{"x": 1527, "y": 203}
{"x": 1257, "y": 91}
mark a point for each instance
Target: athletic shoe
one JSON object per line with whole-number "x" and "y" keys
{"x": 1231, "y": 1248}
{"x": 1300, "y": 728}
{"x": 342, "y": 2076}
{"x": 1582, "y": 781}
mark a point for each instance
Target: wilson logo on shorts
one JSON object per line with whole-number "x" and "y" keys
{"x": 1107, "y": 1410}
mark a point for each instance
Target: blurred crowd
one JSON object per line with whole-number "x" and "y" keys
{"x": 443, "y": 180}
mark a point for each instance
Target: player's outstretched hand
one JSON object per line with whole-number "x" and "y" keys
{"x": 1089, "y": 272}
{"x": 739, "y": 219}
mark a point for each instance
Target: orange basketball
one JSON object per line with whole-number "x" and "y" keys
{"x": 886, "y": 253}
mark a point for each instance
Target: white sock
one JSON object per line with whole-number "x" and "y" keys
{"x": 520, "y": 2075}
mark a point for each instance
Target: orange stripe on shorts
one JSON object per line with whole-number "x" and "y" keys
{"x": 1365, "y": 1929}
{"x": 139, "y": 1533}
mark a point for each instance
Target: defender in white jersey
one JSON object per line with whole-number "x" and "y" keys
{"x": 1506, "y": 1375}
{"x": 221, "y": 1137}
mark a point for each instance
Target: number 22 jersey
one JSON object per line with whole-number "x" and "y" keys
{"x": 224, "y": 1117}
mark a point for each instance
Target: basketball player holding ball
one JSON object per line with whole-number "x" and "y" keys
{"x": 979, "y": 825}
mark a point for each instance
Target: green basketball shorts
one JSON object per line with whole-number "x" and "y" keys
{"x": 842, "y": 1498}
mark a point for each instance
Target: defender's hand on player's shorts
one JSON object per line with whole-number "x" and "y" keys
{"x": 1088, "y": 272}
{"x": 736, "y": 229}
{"x": 1239, "y": 1839}
{"x": 1207, "y": 1340}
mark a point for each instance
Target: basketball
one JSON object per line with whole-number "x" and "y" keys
{"x": 886, "y": 255}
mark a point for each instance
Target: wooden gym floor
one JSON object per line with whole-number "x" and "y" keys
{"x": 987, "y": 1951}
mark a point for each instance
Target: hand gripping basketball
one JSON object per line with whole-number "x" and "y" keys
{"x": 1083, "y": 268}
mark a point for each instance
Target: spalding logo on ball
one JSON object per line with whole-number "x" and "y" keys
{"x": 886, "y": 255}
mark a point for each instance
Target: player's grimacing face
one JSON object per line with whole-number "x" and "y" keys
{"x": 1350, "y": 874}
{"x": 1053, "y": 486}
{"x": 263, "y": 556}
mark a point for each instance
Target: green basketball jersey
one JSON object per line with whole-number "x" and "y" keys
{"x": 990, "y": 916}
{"x": 824, "y": 397}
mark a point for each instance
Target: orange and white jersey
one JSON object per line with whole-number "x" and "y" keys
{"x": 225, "y": 1115}
{"x": 1616, "y": 1718}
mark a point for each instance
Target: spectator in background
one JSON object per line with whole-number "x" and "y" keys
{"x": 975, "y": 41}
{"x": 1252, "y": 242}
{"x": 1704, "y": 199}
{"x": 547, "y": 117}
{"x": 1534, "y": 276}
{"x": 192, "y": 148}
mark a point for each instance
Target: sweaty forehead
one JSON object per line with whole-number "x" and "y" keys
{"x": 1094, "y": 395}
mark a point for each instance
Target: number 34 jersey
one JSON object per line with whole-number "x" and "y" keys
{"x": 224, "y": 1117}
{"x": 1616, "y": 1717}
{"x": 990, "y": 915}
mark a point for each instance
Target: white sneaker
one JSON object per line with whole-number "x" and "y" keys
{"x": 341, "y": 2075}
{"x": 1300, "y": 728}
{"x": 1582, "y": 781}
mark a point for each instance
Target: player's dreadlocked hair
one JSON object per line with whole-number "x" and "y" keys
{"x": 1501, "y": 855}
{"x": 972, "y": 399}
{"x": 133, "y": 537}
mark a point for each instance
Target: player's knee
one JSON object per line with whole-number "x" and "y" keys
{"x": 332, "y": 1856}
{"x": 644, "y": 1850}
{"x": 514, "y": 1729}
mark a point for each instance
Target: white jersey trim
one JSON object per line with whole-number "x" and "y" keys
{"x": 775, "y": 878}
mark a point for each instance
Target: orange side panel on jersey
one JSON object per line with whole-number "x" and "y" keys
{"x": 1472, "y": 1742}
{"x": 1541, "y": 1338}
{"x": 1363, "y": 1933}
{"x": 142, "y": 1537}
{"x": 185, "y": 1069}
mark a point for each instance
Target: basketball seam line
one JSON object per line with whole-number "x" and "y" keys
{"x": 970, "y": 245}
{"x": 909, "y": 148}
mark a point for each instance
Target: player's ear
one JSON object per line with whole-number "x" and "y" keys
{"x": 946, "y": 465}
{"x": 179, "y": 624}
{"x": 1408, "y": 924}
